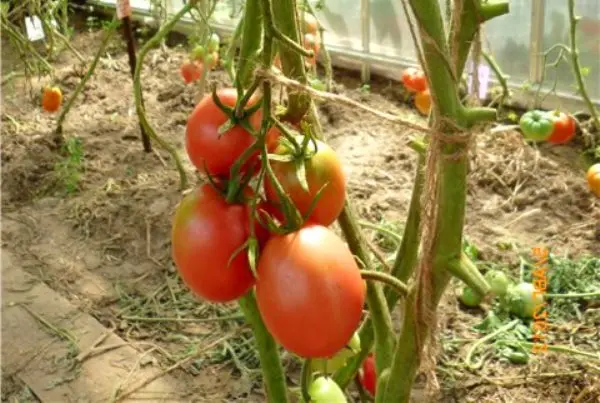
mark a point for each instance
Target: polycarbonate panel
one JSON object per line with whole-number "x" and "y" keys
{"x": 390, "y": 33}
{"x": 507, "y": 39}
{"x": 556, "y": 30}
{"x": 341, "y": 20}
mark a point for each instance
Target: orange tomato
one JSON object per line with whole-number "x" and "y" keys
{"x": 310, "y": 24}
{"x": 593, "y": 179}
{"x": 212, "y": 60}
{"x": 191, "y": 71}
{"x": 277, "y": 61}
{"x": 312, "y": 42}
{"x": 423, "y": 102}
{"x": 51, "y": 99}
{"x": 414, "y": 80}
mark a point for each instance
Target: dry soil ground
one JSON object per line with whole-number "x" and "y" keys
{"x": 74, "y": 265}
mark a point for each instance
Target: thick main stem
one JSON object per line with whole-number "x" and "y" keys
{"x": 274, "y": 378}
{"x": 449, "y": 117}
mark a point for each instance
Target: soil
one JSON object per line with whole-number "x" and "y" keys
{"x": 107, "y": 245}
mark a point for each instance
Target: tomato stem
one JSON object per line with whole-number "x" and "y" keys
{"x": 465, "y": 270}
{"x": 252, "y": 29}
{"x": 393, "y": 282}
{"x": 306, "y": 379}
{"x": 272, "y": 370}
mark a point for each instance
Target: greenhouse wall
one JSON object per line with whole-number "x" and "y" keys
{"x": 373, "y": 35}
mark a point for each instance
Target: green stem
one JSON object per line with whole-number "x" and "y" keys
{"x": 465, "y": 270}
{"x": 398, "y": 286}
{"x": 292, "y": 62}
{"x": 502, "y": 78}
{"x": 577, "y": 66}
{"x": 573, "y": 295}
{"x": 558, "y": 349}
{"x": 137, "y": 90}
{"x": 475, "y": 346}
{"x": 378, "y": 309}
{"x": 305, "y": 379}
{"x": 110, "y": 30}
{"x": 17, "y": 37}
{"x": 274, "y": 378}
{"x": 251, "y": 40}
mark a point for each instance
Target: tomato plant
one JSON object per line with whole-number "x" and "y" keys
{"x": 213, "y": 42}
{"x": 310, "y": 24}
{"x": 51, "y": 99}
{"x": 323, "y": 171}
{"x": 190, "y": 71}
{"x": 593, "y": 179}
{"x": 367, "y": 375}
{"x": 309, "y": 291}
{"x": 312, "y": 42}
{"x": 563, "y": 128}
{"x": 524, "y": 300}
{"x": 325, "y": 390}
{"x": 414, "y": 80}
{"x": 536, "y": 125}
{"x": 423, "y": 102}
{"x": 205, "y": 234}
{"x": 204, "y": 144}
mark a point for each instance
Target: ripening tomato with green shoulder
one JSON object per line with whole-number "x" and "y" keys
{"x": 213, "y": 152}
{"x": 563, "y": 129}
{"x": 414, "y": 80}
{"x": 593, "y": 179}
{"x": 205, "y": 234}
{"x": 51, "y": 99}
{"x": 323, "y": 170}
{"x": 309, "y": 291}
{"x": 536, "y": 125}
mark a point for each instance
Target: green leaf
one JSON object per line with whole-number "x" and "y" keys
{"x": 237, "y": 252}
{"x": 225, "y": 127}
{"x": 253, "y": 254}
{"x": 301, "y": 174}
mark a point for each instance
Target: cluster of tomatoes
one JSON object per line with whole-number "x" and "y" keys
{"x": 305, "y": 276}
{"x": 414, "y": 81}
{"x": 200, "y": 58}
{"x": 555, "y": 127}
{"x": 51, "y": 99}
{"x": 311, "y": 40}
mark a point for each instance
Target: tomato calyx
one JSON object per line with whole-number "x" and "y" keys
{"x": 237, "y": 115}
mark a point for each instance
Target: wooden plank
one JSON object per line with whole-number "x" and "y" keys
{"x": 38, "y": 356}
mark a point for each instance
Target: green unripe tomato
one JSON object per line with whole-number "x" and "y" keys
{"x": 198, "y": 53}
{"x": 518, "y": 357}
{"x": 317, "y": 84}
{"x": 339, "y": 359}
{"x": 498, "y": 281}
{"x": 325, "y": 390}
{"x": 213, "y": 42}
{"x": 470, "y": 298}
{"x": 523, "y": 300}
{"x": 536, "y": 125}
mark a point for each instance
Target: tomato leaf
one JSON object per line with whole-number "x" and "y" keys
{"x": 314, "y": 202}
{"x": 301, "y": 174}
{"x": 280, "y": 157}
{"x": 270, "y": 224}
{"x": 236, "y": 252}
{"x": 225, "y": 127}
{"x": 252, "y": 254}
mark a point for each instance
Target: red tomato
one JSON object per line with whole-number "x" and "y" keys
{"x": 191, "y": 71}
{"x": 323, "y": 168}
{"x": 368, "y": 376}
{"x": 206, "y": 232}
{"x": 203, "y": 143}
{"x": 564, "y": 128}
{"x": 51, "y": 99}
{"x": 309, "y": 291}
{"x": 414, "y": 80}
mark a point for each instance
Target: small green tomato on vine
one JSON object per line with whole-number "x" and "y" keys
{"x": 325, "y": 390}
{"x": 498, "y": 282}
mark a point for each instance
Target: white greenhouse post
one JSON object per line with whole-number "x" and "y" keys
{"x": 365, "y": 34}
{"x": 536, "y": 42}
